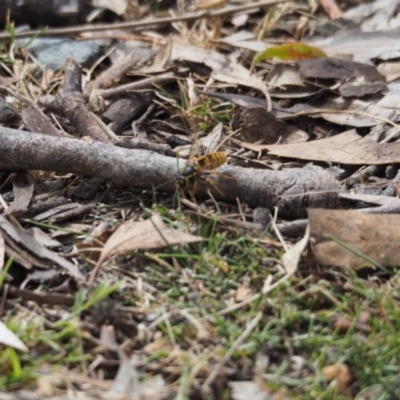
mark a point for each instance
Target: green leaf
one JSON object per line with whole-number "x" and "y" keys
{"x": 290, "y": 51}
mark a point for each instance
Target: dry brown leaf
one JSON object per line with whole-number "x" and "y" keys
{"x": 149, "y": 234}
{"x": 345, "y": 148}
{"x": 391, "y": 70}
{"x": 374, "y": 236}
{"x": 332, "y": 8}
{"x": 362, "y": 46}
{"x": 243, "y": 292}
{"x": 373, "y": 16}
{"x": 160, "y": 59}
{"x": 36, "y": 249}
{"x": 223, "y": 69}
{"x": 290, "y": 260}
{"x": 341, "y": 139}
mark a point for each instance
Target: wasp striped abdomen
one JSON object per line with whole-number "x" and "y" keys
{"x": 212, "y": 160}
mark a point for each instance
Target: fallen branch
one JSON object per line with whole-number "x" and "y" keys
{"x": 144, "y": 23}
{"x": 71, "y": 103}
{"x": 292, "y": 191}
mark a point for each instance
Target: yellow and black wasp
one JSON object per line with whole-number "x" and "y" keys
{"x": 198, "y": 166}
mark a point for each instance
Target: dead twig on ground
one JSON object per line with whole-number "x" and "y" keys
{"x": 146, "y": 23}
{"x": 292, "y": 191}
{"x": 71, "y": 103}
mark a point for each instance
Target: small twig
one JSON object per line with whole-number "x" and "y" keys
{"x": 142, "y": 24}
{"x": 277, "y": 232}
{"x": 230, "y": 352}
{"x": 132, "y": 86}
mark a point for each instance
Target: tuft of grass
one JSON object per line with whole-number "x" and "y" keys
{"x": 51, "y": 344}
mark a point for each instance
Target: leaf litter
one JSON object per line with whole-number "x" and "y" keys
{"x": 216, "y": 294}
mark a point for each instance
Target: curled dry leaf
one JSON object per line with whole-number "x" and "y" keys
{"x": 41, "y": 255}
{"x": 223, "y": 69}
{"x": 290, "y": 260}
{"x": 149, "y": 234}
{"x": 23, "y": 192}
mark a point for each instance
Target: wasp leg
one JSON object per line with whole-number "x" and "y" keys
{"x": 193, "y": 192}
{"x": 214, "y": 186}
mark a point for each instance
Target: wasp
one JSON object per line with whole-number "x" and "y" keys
{"x": 198, "y": 166}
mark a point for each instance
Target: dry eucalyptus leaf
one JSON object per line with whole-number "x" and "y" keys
{"x": 290, "y": 260}
{"x": 223, "y": 69}
{"x": 23, "y": 192}
{"x": 362, "y": 46}
{"x": 36, "y": 249}
{"x": 341, "y": 139}
{"x": 345, "y": 148}
{"x": 149, "y": 234}
{"x": 160, "y": 59}
{"x": 373, "y": 236}
{"x": 8, "y": 338}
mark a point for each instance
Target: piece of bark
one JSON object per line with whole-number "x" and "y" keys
{"x": 139, "y": 105}
{"x": 86, "y": 190}
{"x": 23, "y": 192}
{"x": 292, "y": 191}
{"x": 292, "y": 228}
